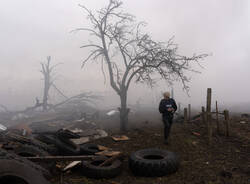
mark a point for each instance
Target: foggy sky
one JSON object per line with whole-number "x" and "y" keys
{"x": 32, "y": 30}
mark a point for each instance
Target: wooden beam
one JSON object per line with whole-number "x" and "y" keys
{"x": 61, "y": 158}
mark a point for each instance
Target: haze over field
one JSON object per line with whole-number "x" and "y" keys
{"x": 32, "y": 30}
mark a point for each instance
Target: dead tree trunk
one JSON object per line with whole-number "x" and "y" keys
{"x": 124, "y": 111}
{"x": 46, "y": 91}
{"x": 47, "y": 70}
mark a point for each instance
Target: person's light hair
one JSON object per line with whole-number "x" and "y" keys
{"x": 166, "y": 94}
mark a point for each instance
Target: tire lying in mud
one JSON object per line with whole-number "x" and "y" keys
{"x": 92, "y": 169}
{"x": 67, "y": 134}
{"x": 63, "y": 146}
{"x": 89, "y": 149}
{"x": 14, "y": 169}
{"x": 26, "y": 150}
{"x": 67, "y": 147}
{"x": 153, "y": 162}
{"x": 12, "y": 136}
{"x": 48, "y": 140}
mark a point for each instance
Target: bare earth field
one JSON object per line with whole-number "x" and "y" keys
{"x": 225, "y": 161}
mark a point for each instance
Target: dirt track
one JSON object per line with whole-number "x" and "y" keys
{"x": 226, "y": 161}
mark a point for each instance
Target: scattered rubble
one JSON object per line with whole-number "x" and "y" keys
{"x": 120, "y": 138}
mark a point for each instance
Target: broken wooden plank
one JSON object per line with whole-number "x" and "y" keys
{"x": 108, "y": 153}
{"x": 72, "y": 165}
{"x": 102, "y": 148}
{"x": 120, "y": 138}
{"x": 61, "y": 158}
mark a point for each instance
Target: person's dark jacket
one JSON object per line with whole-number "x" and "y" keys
{"x": 165, "y": 104}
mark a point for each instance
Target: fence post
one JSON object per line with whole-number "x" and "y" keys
{"x": 208, "y": 114}
{"x": 189, "y": 112}
{"x": 226, "y": 114}
{"x": 217, "y": 118}
{"x": 185, "y": 115}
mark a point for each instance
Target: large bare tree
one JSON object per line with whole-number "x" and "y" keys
{"x": 131, "y": 55}
{"x": 48, "y": 78}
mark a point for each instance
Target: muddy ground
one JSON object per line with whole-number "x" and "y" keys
{"x": 225, "y": 161}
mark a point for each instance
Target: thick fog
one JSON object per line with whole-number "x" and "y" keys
{"x": 32, "y": 30}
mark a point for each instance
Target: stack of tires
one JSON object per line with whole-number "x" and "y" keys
{"x": 61, "y": 141}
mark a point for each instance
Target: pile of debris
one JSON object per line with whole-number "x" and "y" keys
{"x": 245, "y": 118}
{"x": 67, "y": 149}
{"x": 48, "y": 148}
{"x": 52, "y": 143}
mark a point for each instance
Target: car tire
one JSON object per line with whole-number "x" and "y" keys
{"x": 89, "y": 149}
{"x": 14, "y": 169}
{"x": 32, "y": 151}
{"x": 92, "y": 169}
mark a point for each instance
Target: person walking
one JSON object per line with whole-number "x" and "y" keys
{"x": 167, "y": 108}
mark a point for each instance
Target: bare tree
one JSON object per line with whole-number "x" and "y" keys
{"x": 131, "y": 55}
{"x": 4, "y": 108}
{"x": 48, "y": 77}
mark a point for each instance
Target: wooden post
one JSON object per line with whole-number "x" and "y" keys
{"x": 189, "y": 112}
{"x": 217, "y": 118}
{"x": 203, "y": 115}
{"x": 226, "y": 114}
{"x": 185, "y": 115}
{"x": 209, "y": 117}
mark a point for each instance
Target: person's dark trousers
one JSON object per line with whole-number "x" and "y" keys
{"x": 167, "y": 120}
